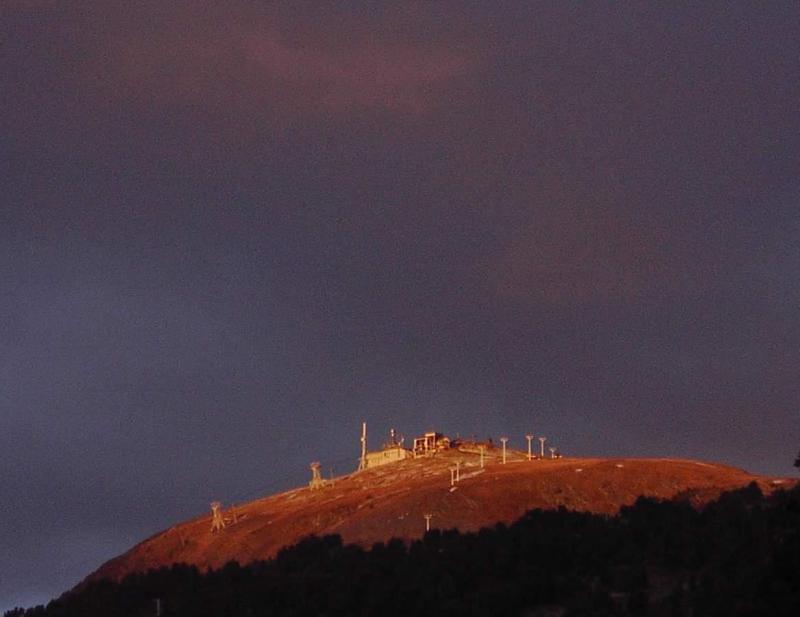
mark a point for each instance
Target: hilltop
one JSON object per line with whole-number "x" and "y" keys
{"x": 392, "y": 500}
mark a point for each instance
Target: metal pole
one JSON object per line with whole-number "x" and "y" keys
{"x": 529, "y": 438}
{"x": 363, "y": 463}
{"x": 504, "y": 440}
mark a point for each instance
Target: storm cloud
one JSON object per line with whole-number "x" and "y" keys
{"x": 230, "y": 232}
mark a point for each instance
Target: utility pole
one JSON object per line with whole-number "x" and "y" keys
{"x": 428, "y": 518}
{"x": 504, "y": 440}
{"x": 529, "y": 438}
{"x": 542, "y": 440}
{"x": 363, "y": 462}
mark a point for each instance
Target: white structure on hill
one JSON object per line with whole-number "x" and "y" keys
{"x": 392, "y": 451}
{"x": 429, "y": 443}
{"x": 217, "y": 522}
{"x": 316, "y": 479}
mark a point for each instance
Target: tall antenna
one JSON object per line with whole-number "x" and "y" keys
{"x": 542, "y": 440}
{"x": 529, "y": 438}
{"x": 504, "y": 440}
{"x": 217, "y": 522}
{"x": 362, "y": 464}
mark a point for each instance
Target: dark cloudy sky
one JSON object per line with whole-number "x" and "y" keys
{"x": 229, "y": 232}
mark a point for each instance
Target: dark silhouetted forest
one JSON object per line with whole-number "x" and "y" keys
{"x": 740, "y": 555}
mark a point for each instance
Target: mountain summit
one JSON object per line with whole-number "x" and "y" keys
{"x": 451, "y": 487}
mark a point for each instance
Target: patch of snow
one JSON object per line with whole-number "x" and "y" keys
{"x": 472, "y": 474}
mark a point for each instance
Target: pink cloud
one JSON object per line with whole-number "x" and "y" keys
{"x": 393, "y": 77}
{"x": 262, "y": 68}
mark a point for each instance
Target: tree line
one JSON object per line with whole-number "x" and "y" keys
{"x": 739, "y": 555}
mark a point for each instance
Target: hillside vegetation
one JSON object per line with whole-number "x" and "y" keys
{"x": 739, "y": 555}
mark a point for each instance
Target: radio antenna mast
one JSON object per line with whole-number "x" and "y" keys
{"x": 362, "y": 464}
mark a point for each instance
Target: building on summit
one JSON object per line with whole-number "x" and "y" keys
{"x": 391, "y": 451}
{"x": 429, "y": 443}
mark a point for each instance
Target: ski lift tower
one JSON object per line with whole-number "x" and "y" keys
{"x": 529, "y": 438}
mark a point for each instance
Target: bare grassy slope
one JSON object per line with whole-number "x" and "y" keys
{"x": 391, "y": 501}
